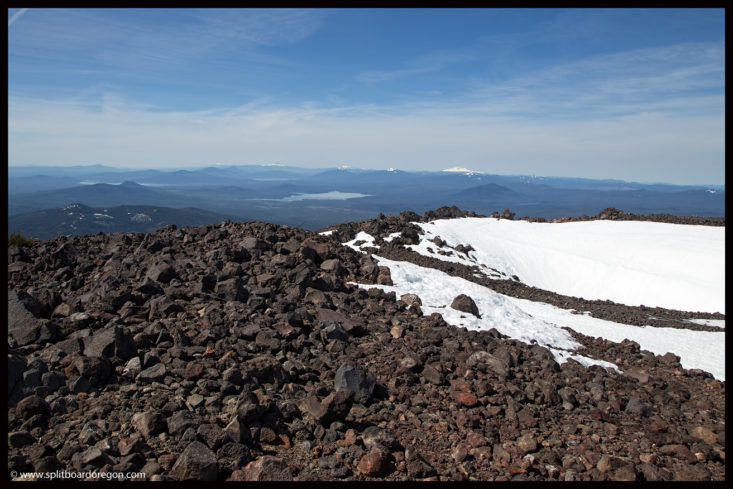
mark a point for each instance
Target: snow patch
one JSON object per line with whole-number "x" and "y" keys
{"x": 362, "y": 236}
{"x": 460, "y": 169}
{"x": 717, "y": 323}
{"x": 525, "y": 320}
{"x": 697, "y": 349}
{"x": 437, "y": 291}
{"x": 141, "y": 218}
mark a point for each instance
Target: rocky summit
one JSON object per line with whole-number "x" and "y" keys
{"x": 245, "y": 352}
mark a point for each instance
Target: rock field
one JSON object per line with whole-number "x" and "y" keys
{"x": 241, "y": 351}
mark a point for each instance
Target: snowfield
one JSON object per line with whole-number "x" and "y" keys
{"x": 545, "y": 324}
{"x": 655, "y": 264}
{"x": 697, "y": 349}
{"x": 437, "y": 290}
{"x": 630, "y": 262}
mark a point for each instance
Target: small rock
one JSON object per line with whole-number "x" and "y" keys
{"x": 348, "y": 376}
{"x": 19, "y": 439}
{"x": 212, "y": 435}
{"x": 636, "y": 373}
{"x": 376, "y": 438}
{"x": 465, "y": 398}
{"x": 79, "y": 384}
{"x": 527, "y": 443}
{"x": 411, "y": 300}
{"x": 148, "y": 423}
{"x": 464, "y": 303}
{"x": 133, "y": 444}
{"x": 152, "y": 374}
{"x": 432, "y": 375}
{"x": 196, "y": 462}
{"x": 373, "y": 463}
{"x": 180, "y": 421}
{"x": 265, "y": 468}
{"x": 704, "y": 434}
{"x": 32, "y": 405}
{"x": 460, "y": 452}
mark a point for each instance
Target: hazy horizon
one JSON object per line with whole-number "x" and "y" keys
{"x": 413, "y": 170}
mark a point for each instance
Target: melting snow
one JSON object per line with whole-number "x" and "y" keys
{"x": 362, "y": 236}
{"x": 437, "y": 290}
{"x": 526, "y": 320}
{"x": 697, "y": 349}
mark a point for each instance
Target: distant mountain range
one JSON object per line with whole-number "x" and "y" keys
{"x": 315, "y": 198}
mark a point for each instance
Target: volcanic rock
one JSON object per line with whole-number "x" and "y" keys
{"x": 464, "y": 303}
{"x": 348, "y": 376}
{"x": 244, "y": 351}
{"x": 196, "y": 462}
{"x": 266, "y": 468}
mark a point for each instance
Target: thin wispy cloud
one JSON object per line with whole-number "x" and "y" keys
{"x": 16, "y": 16}
{"x": 428, "y": 63}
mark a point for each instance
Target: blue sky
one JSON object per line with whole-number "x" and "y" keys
{"x": 629, "y": 94}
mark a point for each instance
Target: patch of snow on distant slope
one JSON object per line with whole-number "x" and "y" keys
{"x": 460, "y": 169}
{"x": 327, "y": 233}
{"x": 437, "y": 291}
{"x": 630, "y": 262}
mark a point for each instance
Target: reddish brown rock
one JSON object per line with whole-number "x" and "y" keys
{"x": 373, "y": 464}
{"x": 465, "y": 398}
{"x": 266, "y": 468}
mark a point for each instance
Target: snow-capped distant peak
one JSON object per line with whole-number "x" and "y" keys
{"x": 460, "y": 169}
{"x": 392, "y": 169}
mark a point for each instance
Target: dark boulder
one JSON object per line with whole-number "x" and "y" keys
{"x": 464, "y": 303}
{"x": 108, "y": 342}
{"x": 348, "y": 376}
{"x": 197, "y": 462}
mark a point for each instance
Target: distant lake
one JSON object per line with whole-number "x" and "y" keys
{"x": 333, "y": 195}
